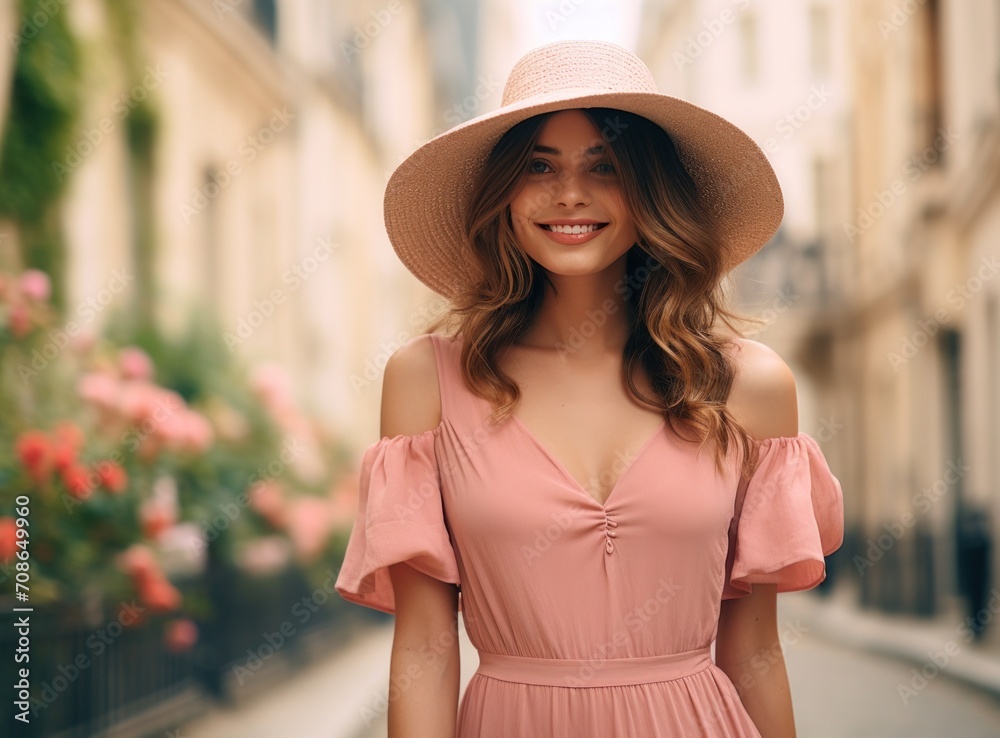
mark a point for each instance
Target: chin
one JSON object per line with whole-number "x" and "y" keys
{"x": 567, "y": 267}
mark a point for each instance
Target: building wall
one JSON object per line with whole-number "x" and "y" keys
{"x": 301, "y": 123}
{"x": 926, "y": 204}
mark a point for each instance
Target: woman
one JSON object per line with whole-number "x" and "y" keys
{"x": 601, "y": 479}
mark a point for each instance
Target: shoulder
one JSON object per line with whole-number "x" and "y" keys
{"x": 411, "y": 402}
{"x": 763, "y": 397}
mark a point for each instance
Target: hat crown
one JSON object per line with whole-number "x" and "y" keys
{"x": 576, "y": 64}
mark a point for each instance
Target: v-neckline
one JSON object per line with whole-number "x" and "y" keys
{"x": 576, "y": 484}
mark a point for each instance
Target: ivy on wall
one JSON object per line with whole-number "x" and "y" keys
{"x": 42, "y": 120}
{"x": 44, "y": 124}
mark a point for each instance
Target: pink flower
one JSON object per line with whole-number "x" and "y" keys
{"x": 35, "y": 285}
{"x": 134, "y": 363}
{"x": 99, "y": 388}
{"x": 139, "y": 400}
{"x": 309, "y": 526}
{"x": 139, "y": 562}
{"x": 156, "y": 515}
{"x": 186, "y": 430}
{"x": 180, "y": 635}
{"x": 268, "y": 500}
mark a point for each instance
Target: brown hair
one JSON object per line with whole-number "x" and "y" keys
{"x": 672, "y": 290}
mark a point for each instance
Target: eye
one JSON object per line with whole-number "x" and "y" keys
{"x": 604, "y": 167}
{"x": 538, "y": 166}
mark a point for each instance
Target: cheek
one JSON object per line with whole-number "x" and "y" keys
{"x": 523, "y": 208}
{"x": 616, "y": 204}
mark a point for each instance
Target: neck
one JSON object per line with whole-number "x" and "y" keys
{"x": 588, "y": 316}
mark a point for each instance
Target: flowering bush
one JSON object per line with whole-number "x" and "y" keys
{"x": 137, "y": 453}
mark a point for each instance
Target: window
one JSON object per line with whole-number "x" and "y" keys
{"x": 265, "y": 15}
{"x": 927, "y": 77}
{"x": 748, "y": 44}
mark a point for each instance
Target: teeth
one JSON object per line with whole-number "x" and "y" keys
{"x": 572, "y": 229}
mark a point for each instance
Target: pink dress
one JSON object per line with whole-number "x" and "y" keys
{"x": 589, "y": 619}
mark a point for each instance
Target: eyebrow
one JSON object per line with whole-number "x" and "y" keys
{"x": 592, "y": 151}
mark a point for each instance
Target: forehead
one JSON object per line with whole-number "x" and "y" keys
{"x": 569, "y": 128}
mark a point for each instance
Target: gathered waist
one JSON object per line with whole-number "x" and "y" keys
{"x": 593, "y": 672}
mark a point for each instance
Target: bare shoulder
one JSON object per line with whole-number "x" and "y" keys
{"x": 763, "y": 397}
{"x": 411, "y": 401}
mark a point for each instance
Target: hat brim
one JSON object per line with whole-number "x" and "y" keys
{"x": 427, "y": 195}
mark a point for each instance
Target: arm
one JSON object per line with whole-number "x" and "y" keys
{"x": 763, "y": 399}
{"x": 424, "y": 666}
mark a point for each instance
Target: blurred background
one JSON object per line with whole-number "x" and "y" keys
{"x": 197, "y": 300}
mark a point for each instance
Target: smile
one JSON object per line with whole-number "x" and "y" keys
{"x": 571, "y": 234}
{"x": 574, "y": 229}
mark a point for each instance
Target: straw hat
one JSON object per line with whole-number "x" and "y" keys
{"x": 427, "y": 195}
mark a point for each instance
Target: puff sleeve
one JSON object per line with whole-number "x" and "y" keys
{"x": 399, "y": 518}
{"x": 789, "y": 515}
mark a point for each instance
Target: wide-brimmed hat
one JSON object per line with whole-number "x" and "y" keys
{"x": 428, "y": 193}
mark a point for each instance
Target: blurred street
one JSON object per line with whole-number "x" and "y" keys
{"x": 838, "y": 692}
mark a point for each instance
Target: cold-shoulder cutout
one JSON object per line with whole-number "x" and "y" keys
{"x": 789, "y": 515}
{"x": 764, "y": 397}
{"x": 400, "y": 518}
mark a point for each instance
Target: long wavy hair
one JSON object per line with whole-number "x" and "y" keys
{"x": 673, "y": 286}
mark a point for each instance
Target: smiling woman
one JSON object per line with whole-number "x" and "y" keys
{"x": 598, "y": 475}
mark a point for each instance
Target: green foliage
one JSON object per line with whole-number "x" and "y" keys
{"x": 42, "y": 120}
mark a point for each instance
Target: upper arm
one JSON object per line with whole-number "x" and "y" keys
{"x": 763, "y": 399}
{"x": 425, "y": 606}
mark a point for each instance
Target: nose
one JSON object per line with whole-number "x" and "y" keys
{"x": 571, "y": 191}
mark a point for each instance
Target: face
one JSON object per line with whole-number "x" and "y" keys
{"x": 570, "y": 215}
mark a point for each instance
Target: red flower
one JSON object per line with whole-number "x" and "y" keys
{"x": 34, "y": 453}
{"x": 8, "y": 539}
{"x": 112, "y": 477}
{"x": 159, "y": 594}
{"x": 63, "y": 455}
{"x": 180, "y": 635}
{"x": 75, "y": 477}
